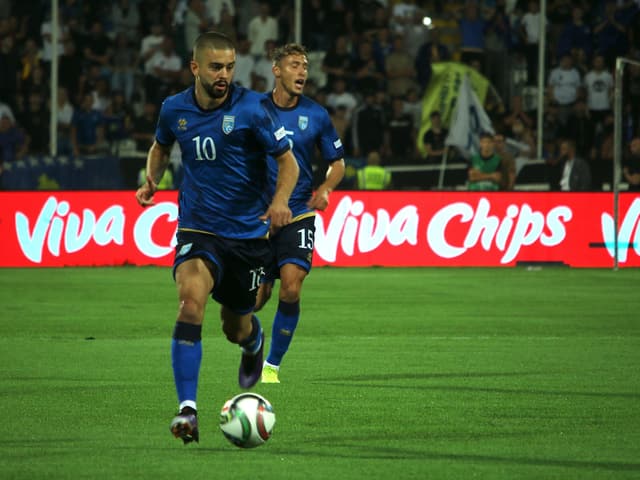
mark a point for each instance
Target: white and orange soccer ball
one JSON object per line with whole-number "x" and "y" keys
{"x": 247, "y": 420}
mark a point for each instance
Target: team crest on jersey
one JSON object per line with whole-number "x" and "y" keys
{"x": 228, "y": 122}
{"x": 303, "y": 122}
{"x": 182, "y": 124}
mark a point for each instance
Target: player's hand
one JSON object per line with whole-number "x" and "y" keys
{"x": 319, "y": 200}
{"x": 279, "y": 214}
{"x": 145, "y": 193}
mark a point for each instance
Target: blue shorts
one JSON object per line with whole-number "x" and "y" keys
{"x": 237, "y": 266}
{"x": 292, "y": 244}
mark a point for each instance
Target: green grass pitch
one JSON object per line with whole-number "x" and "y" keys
{"x": 393, "y": 374}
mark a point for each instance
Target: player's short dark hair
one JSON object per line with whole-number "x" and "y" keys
{"x": 286, "y": 50}
{"x": 215, "y": 40}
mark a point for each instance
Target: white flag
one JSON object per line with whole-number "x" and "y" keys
{"x": 469, "y": 121}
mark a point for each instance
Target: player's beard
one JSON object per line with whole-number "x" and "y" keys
{"x": 210, "y": 88}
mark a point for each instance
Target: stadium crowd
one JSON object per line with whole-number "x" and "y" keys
{"x": 370, "y": 63}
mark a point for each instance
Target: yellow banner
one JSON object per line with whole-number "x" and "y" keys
{"x": 442, "y": 92}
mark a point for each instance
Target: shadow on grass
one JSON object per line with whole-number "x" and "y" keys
{"x": 349, "y": 451}
{"x": 386, "y": 380}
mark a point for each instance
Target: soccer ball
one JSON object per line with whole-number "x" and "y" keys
{"x": 247, "y": 420}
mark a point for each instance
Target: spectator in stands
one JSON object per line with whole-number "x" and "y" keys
{"x": 580, "y": 61}
{"x": 525, "y": 139}
{"x": 413, "y": 106}
{"x": 368, "y": 74}
{"x": 98, "y": 49}
{"x": 631, "y": 168}
{"x": 610, "y": 32}
{"x": 64, "y": 117}
{"x": 564, "y": 86}
{"x": 472, "y": 27}
{"x": 45, "y": 33}
{"x": 413, "y": 33}
{"x": 87, "y": 129}
{"x": 400, "y": 70}
{"x": 602, "y": 162}
{"x": 575, "y": 34}
{"x": 245, "y": 62}
{"x": 575, "y": 174}
{"x": 631, "y": 92}
{"x": 71, "y": 69}
{"x": 381, "y": 44}
{"x": 125, "y": 59}
{"x": 444, "y": 20}
{"x": 13, "y": 144}
{"x": 219, "y": 8}
{"x": 29, "y": 61}
{"x": 262, "y": 78}
{"x": 6, "y": 111}
{"x": 530, "y": 32}
{"x": 581, "y": 128}
{"x": 368, "y": 126}
{"x": 315, "y": 26}
{"x": 497, "y": 47}
{"x": 144, "y": 127}
{"x": 143, "y": 134}
{"x": 339, "y": 96}
{"x": 261, "y": 28}
{"x": 226, "y": 24}
{"x": 101, "y": 94}
{"x": 373, "y": 176}
{"x": 165, "y": 67}
{"x": 38, "y": 82}
{"x": 508, "y": 162}
{"x": 337, "y": 60}
{"x": 598, "y": 84}
{"x": 9, "y": 69}
{"x": 197, "y": 20}
{"x": 150, "y": 45}
{"x": 432, "y": 51}
{"x": 402, "y": 14}
{"x": 125, "y": 20}
{"x": 517, "y": 112}
{"x": 34, "y": 119}
{"x": 485, "y": 167}
{"x": 118, "y": 121}
{"x": 433, "y": 140}
{"x": 400, "y": 139}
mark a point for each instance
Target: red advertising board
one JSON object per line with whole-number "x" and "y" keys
{"x": 358, "y": 229}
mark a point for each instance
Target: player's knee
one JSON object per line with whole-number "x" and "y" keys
{"x": 190, "y": 311}
{"x": 290, "y": 291}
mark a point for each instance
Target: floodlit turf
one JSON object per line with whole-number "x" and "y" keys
{"x": 393, "y": 374}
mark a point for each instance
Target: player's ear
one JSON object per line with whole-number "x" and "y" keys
{"x": 276, "y": 70}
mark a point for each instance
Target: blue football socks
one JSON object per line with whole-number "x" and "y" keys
{"x": 186, "y": 356}
{"x": 254, "y": 341}
{"x": 284, "y": 324}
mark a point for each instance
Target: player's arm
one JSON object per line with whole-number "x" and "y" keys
{"x": 288, "y": 170}
{"x": 335, "y": 173}
{"x": 157, "y": 162}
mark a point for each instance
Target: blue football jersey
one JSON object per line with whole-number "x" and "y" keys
{"x": 307, "y": 126}
{"x": 224, "y": 154}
